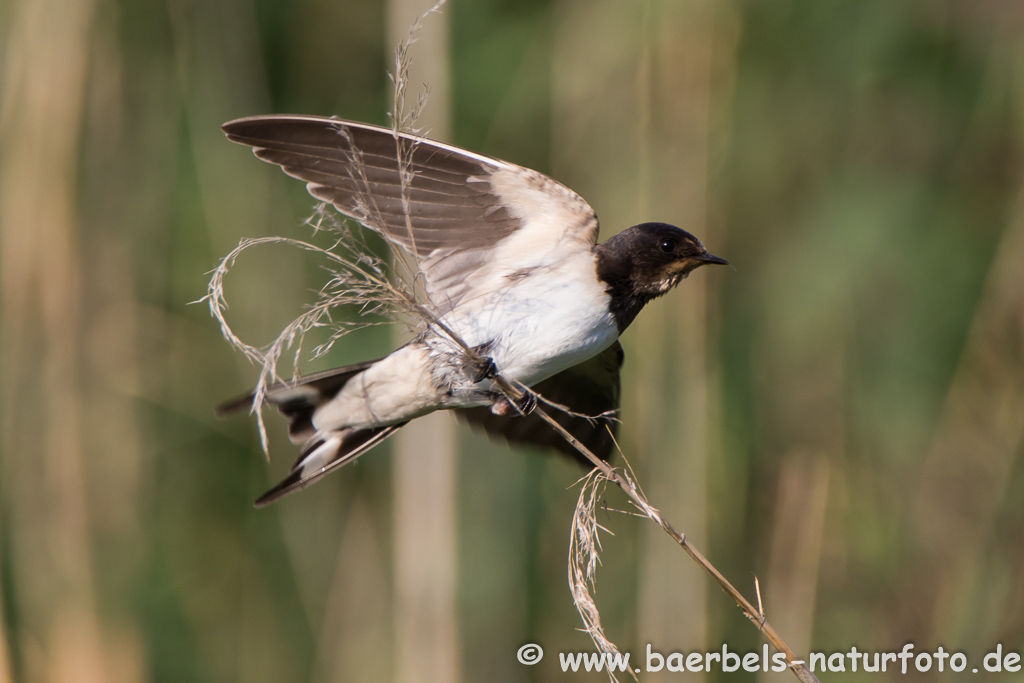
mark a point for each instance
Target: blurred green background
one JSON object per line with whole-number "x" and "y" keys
{"x": 839, "y": 414}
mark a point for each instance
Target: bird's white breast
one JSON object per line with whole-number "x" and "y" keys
{"x": 534, "y": 325}
{"x": 542, "y": 321}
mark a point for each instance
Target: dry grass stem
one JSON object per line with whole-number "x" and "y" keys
{"x": 625, "y": 481}
{"x": 403, "y": 120}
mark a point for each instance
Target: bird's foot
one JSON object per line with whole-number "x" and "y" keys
{"x": 527, "y": 402}
{"x": 522, "y": 406}
{"x": 486, "y": 370}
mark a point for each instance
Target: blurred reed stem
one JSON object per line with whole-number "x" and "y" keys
{"x": 424, "y": 469}
{"x": 983, "y": 417}
{"x": 45, "y": 467}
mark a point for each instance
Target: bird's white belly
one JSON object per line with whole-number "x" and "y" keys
{"x": 542, "y": 325}
{"x": 531, "y": 327}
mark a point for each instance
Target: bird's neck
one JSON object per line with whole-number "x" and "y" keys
{"x": 615, "y": 271}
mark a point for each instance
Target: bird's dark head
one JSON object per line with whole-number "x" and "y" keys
{"x": 644, "y": 262}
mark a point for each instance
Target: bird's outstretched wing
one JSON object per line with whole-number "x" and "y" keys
{"x": 469, "y": 220}
{"x": 590, "y": 388}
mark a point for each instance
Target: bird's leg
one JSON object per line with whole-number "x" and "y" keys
{"x": 502, "y": 405}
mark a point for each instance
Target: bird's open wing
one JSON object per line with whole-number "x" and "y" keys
{"x": 590, "y": 388}
{"x": 465, "y": 217}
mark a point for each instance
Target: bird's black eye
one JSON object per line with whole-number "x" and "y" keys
{"x": 667, "y": 246}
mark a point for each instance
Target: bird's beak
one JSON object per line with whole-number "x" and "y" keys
{"x": 708, "y": 258}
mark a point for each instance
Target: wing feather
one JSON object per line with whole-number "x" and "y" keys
{"x": 467, "y": 218}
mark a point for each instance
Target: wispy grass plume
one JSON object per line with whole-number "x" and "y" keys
{"x": 584, "y": 557}
{"x": 359, "y": 281}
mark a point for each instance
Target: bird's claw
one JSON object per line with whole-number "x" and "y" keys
{"x": 487, "y": 370}
{"x": 526, "y": 404}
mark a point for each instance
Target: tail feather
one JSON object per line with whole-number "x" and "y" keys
{"x": 298, "y": 398}
{"x": 324, "y": 453}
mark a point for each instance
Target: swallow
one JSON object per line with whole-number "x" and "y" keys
{"x": 511, "y": 264}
